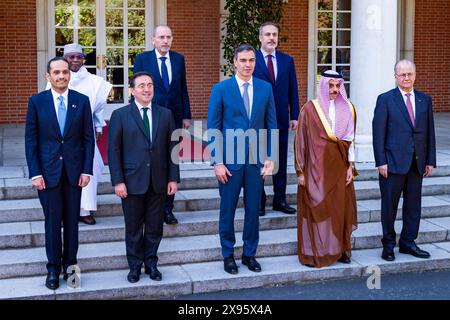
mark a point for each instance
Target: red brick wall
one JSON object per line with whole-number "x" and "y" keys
{"x": 196, "y": 31}
{"x": 18, "y": 77}
{"x": 295, "y": 27}
{"x": 432, "y": 51}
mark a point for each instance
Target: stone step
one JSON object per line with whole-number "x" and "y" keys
{"x": 185, "y": 279}
{"x": 200, "y": 199}
{"x": 193, "y": 249}
{"x": 14, "y": 184}
{"x": 191, "y": 223}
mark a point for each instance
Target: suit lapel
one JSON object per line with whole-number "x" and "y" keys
{"x": 401, "y": 105}
{"x": 419, "y": 106}
{"x": 50, "y": 109}
{"x": 256, "y": 101}
{"x": 262, "y": 62}
{"x": 71, "y": 110}
{"x": 136, "y": 115}
{"x": 155, "y": 121}
{"x": 173, "y": 65}
{"x": 236, "y": 96}
{"x": 155, "y": 69}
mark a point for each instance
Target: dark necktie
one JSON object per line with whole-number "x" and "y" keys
{"x": 409, "y": 107}
{"x": 270, "y": 68}
{"x": 164, "y": 73}
{"x": 147, "y": 123}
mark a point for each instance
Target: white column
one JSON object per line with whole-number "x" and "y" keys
{"x": 373, "y": 56}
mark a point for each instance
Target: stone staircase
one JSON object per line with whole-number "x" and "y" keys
{"x": 190, "y": 258}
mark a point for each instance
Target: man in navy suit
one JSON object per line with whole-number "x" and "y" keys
{"x": 240, "y": 107}
{"x": 278, "y": 69}
{"x": 405, "y": 152}
{"x": 59, "y": 145}
{"x": 168, "y": 69}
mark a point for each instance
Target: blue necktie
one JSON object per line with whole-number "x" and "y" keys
{"x": 164, "y": 73}
{"x": 62, "y": 112}
{"x": 246, "y": 99}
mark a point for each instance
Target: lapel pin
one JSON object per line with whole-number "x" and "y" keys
{"x": 74, "y": 106}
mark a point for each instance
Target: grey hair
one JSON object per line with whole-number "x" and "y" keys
{"x": 268, "y": 23}
{"x": 404, "y": 61}
{"x": 160, "y": 26}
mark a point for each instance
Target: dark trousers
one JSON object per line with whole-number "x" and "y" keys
{"x": 250, "y": 179}
{"x": 144, "y": 217}
{"x": 391, "y": 189}
{"x": 61, "y": 203}
{"x": 280, "y": 178}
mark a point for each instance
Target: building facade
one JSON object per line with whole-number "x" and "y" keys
{"x": 360, "y": 38}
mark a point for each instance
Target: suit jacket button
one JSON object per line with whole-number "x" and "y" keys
{"x": 148, "y": 164}
{"x": 60, "y": 158}
{"x": 62, "y": 141}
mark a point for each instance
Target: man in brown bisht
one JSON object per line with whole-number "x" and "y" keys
{"x": 324, "y": 163}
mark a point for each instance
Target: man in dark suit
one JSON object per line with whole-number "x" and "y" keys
{"x": 168, "y": 70}
{"x": 278, "y": 69}
{"x": 405, "y": 152}
{"x": 142, "y": 173}
{"x": 241, "y": 106}
{"x": 59, "y": 145}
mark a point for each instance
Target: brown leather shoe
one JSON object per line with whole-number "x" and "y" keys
{"x": 88, "y": 220}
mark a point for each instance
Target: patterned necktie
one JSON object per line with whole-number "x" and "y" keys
{"x": 62, "y": 112}
{"x": 147, "y": 123}
{"x": 164, "y": 73}
{"x": 270, "y": 68}
{"x": 410, "y": 107}
{"x": 246, "y": 99}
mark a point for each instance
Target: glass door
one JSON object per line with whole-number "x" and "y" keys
{"x": 111, "y": 32}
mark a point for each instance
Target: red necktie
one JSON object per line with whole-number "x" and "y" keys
{"x": 410, "y": 108}
{"x": 270, "y": 68}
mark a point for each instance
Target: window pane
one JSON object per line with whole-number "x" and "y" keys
{"x": 136, "y": 38}
{"x": 343, "y": 55}
{"x": 64, "y": 17}
{"x": 344, "y": 4}
{"x": 321, "y": 69}
{"x": 114, "y": 57}
{"x": 132, "y": 53}
{"x": 325, "y": 20}
{"x": 115, "y": 75}
{"x": 87, "y": 18}
{"x": 114, "y": 18}
{"x": 63, "y": 3}
{"x": 86, "y": 3}
{"x": 86, "y": 37}
{"x": 136, "y": 3}
{"x": 63, "y": 36}
{"x": 114, "y": 37}
{"x": 347, "y": 89}
{"x": 343, "y": 38}
{"x": 116, "y": 95}
{"x": 92, "y": 70}
{"x": 114, "y": 3}
{"x": 59, "y": 52}
{"x": 324, "y": 55}
{"x": 325, "y": 5}
{"x": 90, "y": 55}
{"x": 136, "y": 18}
{"x": 343, "y": 20}
{"x": 345, "y": 71}
{"x": 325, "y": 38}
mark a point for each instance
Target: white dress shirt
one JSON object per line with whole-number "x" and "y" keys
{"x": 332, "y": 115}
{"x": 168, "y": 64}
{"x": 240, "y": 83}
{"x": 149, "y": 114}
{"x": 274, "y": 60}
{"x": 411, "y": 97}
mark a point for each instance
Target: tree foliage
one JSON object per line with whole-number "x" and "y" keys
{"x": 242, "y": 24}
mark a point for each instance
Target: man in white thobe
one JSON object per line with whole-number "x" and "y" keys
{"x": 97, "y": 89}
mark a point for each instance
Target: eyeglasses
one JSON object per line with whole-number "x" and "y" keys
{"x": 76, "y": 56}
{"x": 403, "y": 75}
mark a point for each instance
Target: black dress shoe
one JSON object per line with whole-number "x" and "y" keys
{"x": 251, "y": 263}
{"x": 262, "y": 205}
{"x": 169, "y": 218}
{"x": 87, "y": 220}
{"x": 415, "y": 251}
{"x": 229, "y": 265}
{"x": 134, "y": 276}
{"x": 52, "y": 280}
{"x": 345, "y": 258}
{"x": 154, "y": 273}
{"x": 388, "y": 254}
{"x": 262, "y": 211}
{"x": 284, "y": 207}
